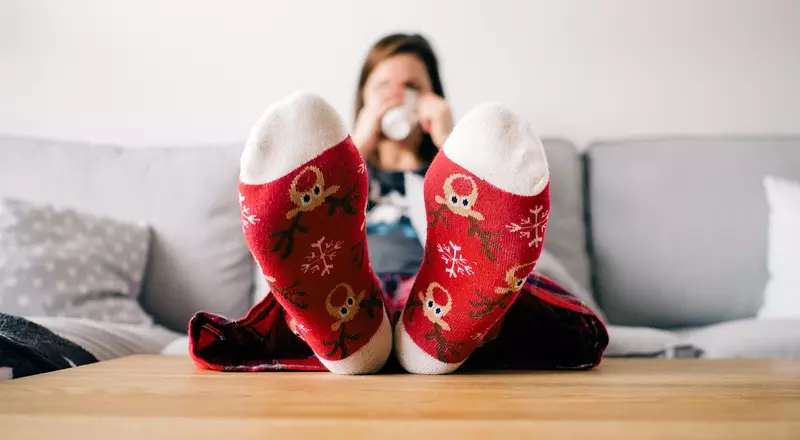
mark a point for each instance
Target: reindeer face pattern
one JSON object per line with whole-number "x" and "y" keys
{"x": 434, "y": 311}
{"x": 348, "y": 309}
{"x": 515, "y": 278}
{"x": 460, "y": 204}
{"x": 314, "y": 196}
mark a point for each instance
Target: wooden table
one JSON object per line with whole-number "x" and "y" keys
{"x": 151, "y": 397}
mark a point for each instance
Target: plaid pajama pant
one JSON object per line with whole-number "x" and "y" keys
{"x": 545, "y": 328}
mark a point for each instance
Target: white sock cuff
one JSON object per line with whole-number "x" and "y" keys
{"x": 371, "y": 357}
{"x": 500, "y": 147}
{"x": 291, "y": 132}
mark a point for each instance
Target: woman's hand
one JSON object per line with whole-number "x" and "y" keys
{"x": 435, "y": 117}
{"x": 367, "y": 131}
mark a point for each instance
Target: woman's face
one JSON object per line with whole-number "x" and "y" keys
{"x": 392, "y": 75}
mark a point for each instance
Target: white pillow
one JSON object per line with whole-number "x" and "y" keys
{"x": 782, "y": 295}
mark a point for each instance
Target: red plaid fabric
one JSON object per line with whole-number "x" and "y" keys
{"x": 545, "y": 328}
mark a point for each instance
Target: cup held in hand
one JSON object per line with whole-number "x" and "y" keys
{"x": 398, "y": 122}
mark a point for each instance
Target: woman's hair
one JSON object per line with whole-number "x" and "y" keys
{"x": 396, "y": 44}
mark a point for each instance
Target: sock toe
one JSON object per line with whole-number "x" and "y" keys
{"x": 290, "y": 133}
{"x": 500, "y": 147}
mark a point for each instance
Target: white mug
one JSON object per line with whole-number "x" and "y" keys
{"x": 398, "y": 122}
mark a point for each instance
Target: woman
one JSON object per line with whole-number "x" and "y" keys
{"x": 472, "y": 299}
{"x": 395, "y": 63}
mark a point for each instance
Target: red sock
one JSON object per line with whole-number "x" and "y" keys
{"x": 487, "y": 199}
{"x": 303, "y": 193}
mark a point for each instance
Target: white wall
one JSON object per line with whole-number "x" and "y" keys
{"x": 160, "y": 72}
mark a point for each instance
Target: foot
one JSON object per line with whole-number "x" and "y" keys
{"x": 487, "y": 200}
{"x": 303, "y": 194}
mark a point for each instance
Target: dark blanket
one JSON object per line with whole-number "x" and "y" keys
{"x": 28, "y": 348}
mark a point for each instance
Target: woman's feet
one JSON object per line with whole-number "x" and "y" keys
{"x": 303, "y": 193}
{"x": 487, "y": 199}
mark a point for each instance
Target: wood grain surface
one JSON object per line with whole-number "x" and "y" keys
{"x": 153, "y": 397}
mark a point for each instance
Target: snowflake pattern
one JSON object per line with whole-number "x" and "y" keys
{"x": 455, "y": 259}
{"x": 362, "y": 168}
{"x": 535, "y": 225}
{"x": 247, "y": 218}
{"x": 320, "y": 259}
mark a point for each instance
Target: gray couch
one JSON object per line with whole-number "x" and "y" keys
{"x": 668, "y": 234}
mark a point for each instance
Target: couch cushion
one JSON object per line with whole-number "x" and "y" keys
{"x": 566, "y": 230}
{"x": 678, "y": 227}
{"x": 198, "y": 259}
{"x": 640, "y": 342}
{"x": 106, "y": 340}
{"x": 747, "y": 338}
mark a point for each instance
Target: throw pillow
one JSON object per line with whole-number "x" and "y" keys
{"x": 58, "y": 262}
{"x": 782, "y": 295}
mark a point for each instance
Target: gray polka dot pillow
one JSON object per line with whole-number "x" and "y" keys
{"x": 58, "y": 262}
